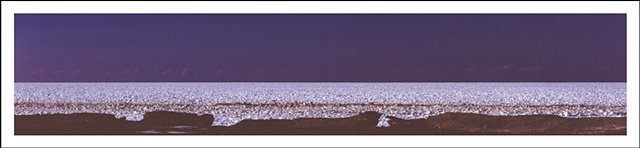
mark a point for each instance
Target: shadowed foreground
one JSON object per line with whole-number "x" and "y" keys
{"x": 169, "y": 123}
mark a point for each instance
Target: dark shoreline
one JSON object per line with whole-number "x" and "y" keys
{"x": 171, "y": 123}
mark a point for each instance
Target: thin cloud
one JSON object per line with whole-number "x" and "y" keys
{"x": 38, "y": 71}
{"x": 186, "y": 72}
{"x": 130, "y": 72}
{"x": 77, "y": 72}
{"x": 420, "y": 70}
{"x": 283, "y": 72}
{"x": 256, "y": 72}
{"x": 398, "y": 70}
{"x": 58, "y": 72}
{"x": 507, "y": 67}
{"x": 108, "y": 73}
{"x": 473, "y": 69}
{"x": 529, "y": 69}
{"x": 167, "y": 72}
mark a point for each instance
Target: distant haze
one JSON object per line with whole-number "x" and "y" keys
{"x": 320, "y": 47}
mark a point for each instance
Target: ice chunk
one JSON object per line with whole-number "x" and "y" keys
{"x": 383, "y": 121}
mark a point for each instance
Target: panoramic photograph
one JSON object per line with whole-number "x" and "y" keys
{"x": 320, "y": 74}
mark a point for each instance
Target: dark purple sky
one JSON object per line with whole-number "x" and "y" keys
{"x": 320, "y": 47}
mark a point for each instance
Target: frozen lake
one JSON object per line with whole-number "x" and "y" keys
{"x": 232, "y": 102}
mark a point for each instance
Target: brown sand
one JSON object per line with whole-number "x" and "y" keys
{"x": 169, "y": 123}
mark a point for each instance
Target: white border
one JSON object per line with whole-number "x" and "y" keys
{"x": 9, "y": 8}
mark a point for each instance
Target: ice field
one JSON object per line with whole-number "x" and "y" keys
{"x": 230, "y": 103}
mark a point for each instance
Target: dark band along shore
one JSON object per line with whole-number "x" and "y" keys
{"x": 165, "y": 123}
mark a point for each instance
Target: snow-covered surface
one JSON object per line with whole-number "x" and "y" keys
{"x": 230, "y": 103}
